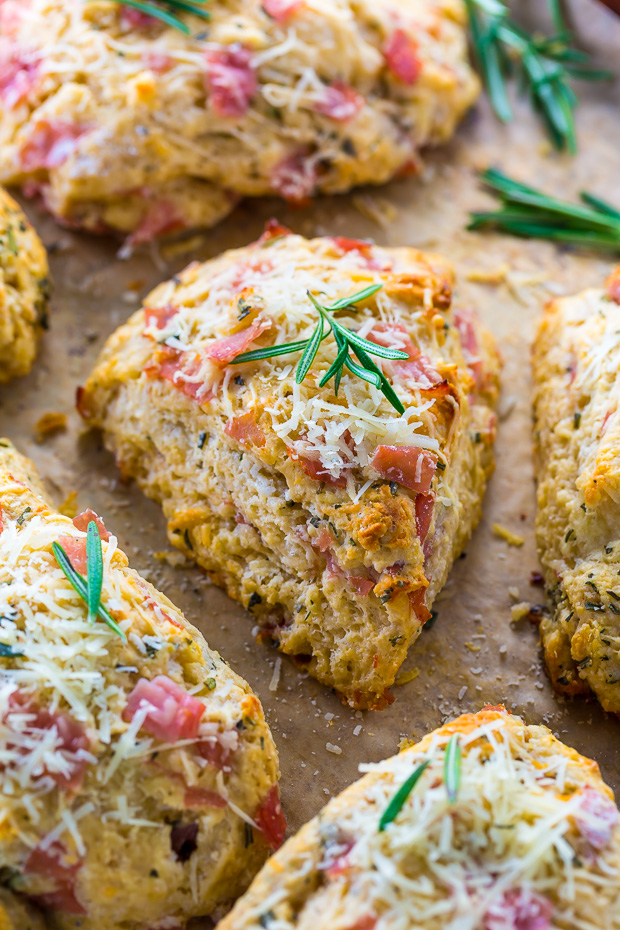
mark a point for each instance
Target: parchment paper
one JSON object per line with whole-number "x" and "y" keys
{"x": 473, "y": 654}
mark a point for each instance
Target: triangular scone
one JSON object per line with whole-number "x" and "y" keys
{"x": 576, "y": 361}
{"x": 139, "y": 778}
{"x": 333, "y": 518}
{"x": 521, "y": 835}
{"x": 24, "y": 289}
{"x": 125, "y": 123}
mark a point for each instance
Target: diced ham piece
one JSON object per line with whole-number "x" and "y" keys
{"x": 131, "y": 18}
{"x": 270, "y": 819}
{"x": 89, "y": 516}
{"x": 295, "y": 177}
{"x": 596, "y": 818}
{"x": 161, "y": 217}
{"x": 281, "y": 10}
{"x": 340, "y": 102}
{"x": 613, "y": 285}
{"x": 362, "y": 585}
{"x": 11, "y": 15}
{"x": 196, "y": 798}
{"x": 417, "y": 600}
{"x": 76, "y": 551}
{"x": 50, "y": 143}
{"x": 245, "y": 430}
{"x": 337, "y": 860}
{"x": 368, "y": 922}
{"x": 323, "y": 540}
{"x": 273, "y": 230}
{"x": 159, "y": 317}
{"x": 519, "y": 909}
{"x": 418, "y": 367}
{"x": 316, "y": 470}
{"x": 401, "y": 56}
{"x": 409, "y": 466}
{"x": 214, "y": 752}
{"x": 230, "y": 79}
{"x": 52, "y": 863}
{"x": 18, "y": 74}
{"x": 168, "y": 363}
{"x": 223, "y": 351}
{"x": 464, "y": 320}
{"x": 157, "y": 61}
{"x": 27, "y": 718}
{"x": 173, "y": 714}
{"x": 424, "y": 504}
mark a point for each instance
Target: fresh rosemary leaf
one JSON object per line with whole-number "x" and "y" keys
{"x": 601, "y": 205}
{"x": 80, "y": 586}
{"x": 258, "y": 354}
{"x": 397, "y": 802}
{"x": 557, "y": 17}
{"x": 345, "y": 302}
{"x": 335, "y": 367}
{"x": 309, "y": 355}
{"x": 452, "y": 767}
{"x": 94, "y": 574}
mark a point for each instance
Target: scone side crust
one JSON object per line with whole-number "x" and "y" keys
{"x": 145, "y": 130}
{"x": 490, "y": 855}
{"x": 577, "y": 437}
{"x": 24, "y": 290}
{"x": 184, "y": 804}
{"x": 337, "y": 535}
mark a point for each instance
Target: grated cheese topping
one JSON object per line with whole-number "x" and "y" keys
{"x": 341, "y": 432}
{"x": 533, "y": 832}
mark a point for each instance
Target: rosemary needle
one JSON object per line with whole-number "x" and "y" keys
{"x": 94, "y": 577}
{"x": 82, "y": 586}
{"x": 397, "y": 802}
{"x": 528, "y": 212}
{"x": 452, "y": 767}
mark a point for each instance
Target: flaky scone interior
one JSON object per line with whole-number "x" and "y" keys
{"x": 330, "y": 514}
{"x": 486, "y": 824}
{"x": 576, "y": 362}
{"x": 138, "y": 776}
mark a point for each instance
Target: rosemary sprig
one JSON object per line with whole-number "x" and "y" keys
{"x": 346, "y": 342}
{"x": 165, "y": 10}
{"x": 87, "y": 588}
{"x": 397, "y": 802}
{"x": 530, "y": 213}
{"x": 545, "y": 66}
{"x": 452, "y": 767}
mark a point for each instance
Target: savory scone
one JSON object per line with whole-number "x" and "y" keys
{"x": 121, "y": 122}
{"x": 24, "y": 288}
{"x": 331, "y": 516}
{"x": 576, "y": 362}
{"x": 138, "y": 776}
{"x": 486, "y": 824}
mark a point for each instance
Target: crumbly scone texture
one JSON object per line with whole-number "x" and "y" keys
{"x": 331, "y": 517}
{"x": 122, "y": 123}
{"x": 532, "y": 840}
{"x": 576, "y": 359}
{"x": 24, "y": 290}
{"x": 139, "y": 778}
{"x": 17, "y": 914}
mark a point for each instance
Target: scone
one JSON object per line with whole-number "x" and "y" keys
{"x": 521, "y": 834}
{"x": 331, "y": 517}
{"x": 139, "y": 778}
{"x": 576, "y": 361}
{"x": 123, "y": 123}
{"x": 24, "y": 289}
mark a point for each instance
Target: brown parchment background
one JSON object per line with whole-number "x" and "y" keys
{"x": 459, "y": 660}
